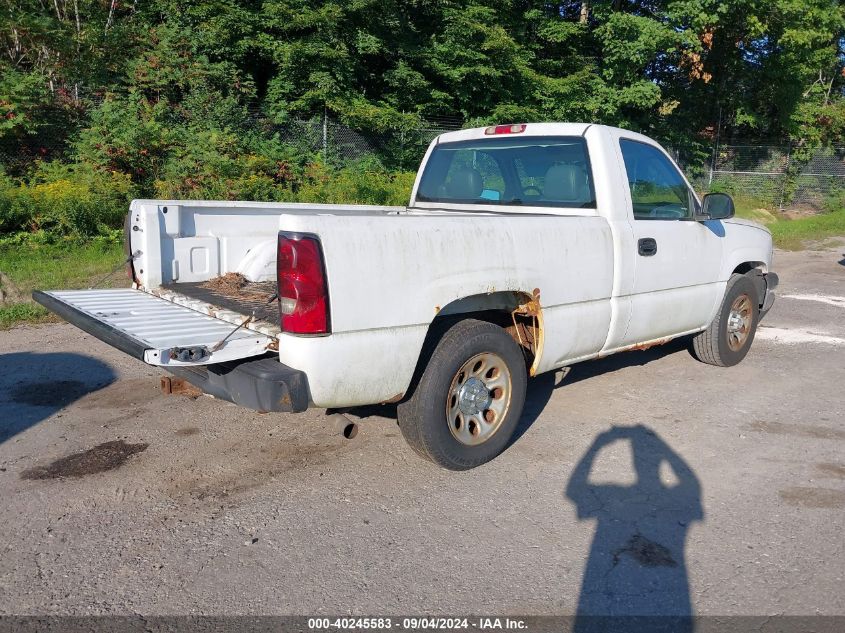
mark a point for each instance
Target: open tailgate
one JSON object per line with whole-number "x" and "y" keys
{"x": 155, "y": 330}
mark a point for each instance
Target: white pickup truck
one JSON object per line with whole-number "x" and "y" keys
{"x": 524, "y": 248}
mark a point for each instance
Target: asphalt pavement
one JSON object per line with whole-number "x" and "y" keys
{"x": 642, "y": 483}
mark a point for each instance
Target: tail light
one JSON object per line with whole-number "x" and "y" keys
{"x": 303, "y": 293}
{"x": 505, "y": 129}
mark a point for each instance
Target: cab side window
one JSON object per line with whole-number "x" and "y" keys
{"x": 658, "y": 191}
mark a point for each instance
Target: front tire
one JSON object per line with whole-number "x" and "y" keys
{"x": 728, "y": 338}
{"x": 467, "y": 403}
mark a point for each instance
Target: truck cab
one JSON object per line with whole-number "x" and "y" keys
{"x": 524, "y": 248}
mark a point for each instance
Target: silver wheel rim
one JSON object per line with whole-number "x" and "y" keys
{"x": 478, "y": 399}
{"x": 739, "y": 322}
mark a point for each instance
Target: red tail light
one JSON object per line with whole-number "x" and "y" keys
{"x": 303, "y": 294}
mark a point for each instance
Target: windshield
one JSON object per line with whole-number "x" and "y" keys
{"x": 532, "y": 170}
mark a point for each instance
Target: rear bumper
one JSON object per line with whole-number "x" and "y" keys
{"x": 263, "y": 385}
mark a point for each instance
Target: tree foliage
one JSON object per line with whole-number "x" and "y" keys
{"x": 162, "y": 92}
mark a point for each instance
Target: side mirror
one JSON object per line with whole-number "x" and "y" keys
{"x": 716, "y": 206}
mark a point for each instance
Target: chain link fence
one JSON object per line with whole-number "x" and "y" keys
{"x": 773, "y": 176}
{"x": 820, "y": 183}
{"x": 754, "y": 172}
{"x": 335, "y": 143}
{"x": 339, "y": 145}
{"x": 769, "y": 175}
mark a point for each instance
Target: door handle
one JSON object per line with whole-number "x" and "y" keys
{"x": 647, "y": 246}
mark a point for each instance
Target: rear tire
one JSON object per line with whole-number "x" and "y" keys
{"x": 467, "y": 403}
{"x": 728, "y": 338}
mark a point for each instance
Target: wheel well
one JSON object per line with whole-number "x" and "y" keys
{"x": 518, "y": 313}
{"x": 745, "y": 267}
{"x": 758, "y": 268}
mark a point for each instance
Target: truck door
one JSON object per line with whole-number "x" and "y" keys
{"x": 677, "y": 260}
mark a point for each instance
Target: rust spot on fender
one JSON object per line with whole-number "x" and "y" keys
{"x": 532, "y": 306}
{"x": 529, "y": 335}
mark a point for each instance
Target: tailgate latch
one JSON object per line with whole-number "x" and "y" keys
{"x": 195, "y": 354}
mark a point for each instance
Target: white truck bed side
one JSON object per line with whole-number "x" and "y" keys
{"x": 424, "y": 264}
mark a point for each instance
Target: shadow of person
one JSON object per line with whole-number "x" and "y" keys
{"x": 34, "y": 386}
{"x": 636, "y": 576}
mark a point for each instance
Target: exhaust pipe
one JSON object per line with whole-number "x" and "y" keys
{"x": 342, "y": 425}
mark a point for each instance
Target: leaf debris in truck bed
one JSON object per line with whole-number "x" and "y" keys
{"x": 235, "y": 292}
{"x": 236, "y": 286}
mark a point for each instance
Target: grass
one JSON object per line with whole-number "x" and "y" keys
{"x": 35, "y": 267}
{"x": 23, "y": 313}
{"x": 754, "y": 210}
{"x": 793, "y": 234}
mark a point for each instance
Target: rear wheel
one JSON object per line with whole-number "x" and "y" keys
{"x": 469, "y": 398}
{"x": 728, "y": 338}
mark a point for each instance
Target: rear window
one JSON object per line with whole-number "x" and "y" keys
{"x": 531, "y": 170}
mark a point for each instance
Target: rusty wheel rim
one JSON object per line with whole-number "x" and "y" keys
{"x": 739, "y": 322}
{"x": 478, "y": 399}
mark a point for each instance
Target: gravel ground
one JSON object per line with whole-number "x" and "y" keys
{"x": 716, "y": 490}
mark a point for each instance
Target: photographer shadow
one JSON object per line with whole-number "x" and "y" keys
{"x": 636, "y": 575}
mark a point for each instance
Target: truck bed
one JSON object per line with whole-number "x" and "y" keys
{"x": 230, "y": 293}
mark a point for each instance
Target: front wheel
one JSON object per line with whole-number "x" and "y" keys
{"x": 469, "y": 398}
{"x": 728, "y": 338}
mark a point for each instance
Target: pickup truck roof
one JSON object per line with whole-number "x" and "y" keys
{"x": 531, "y": 129}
